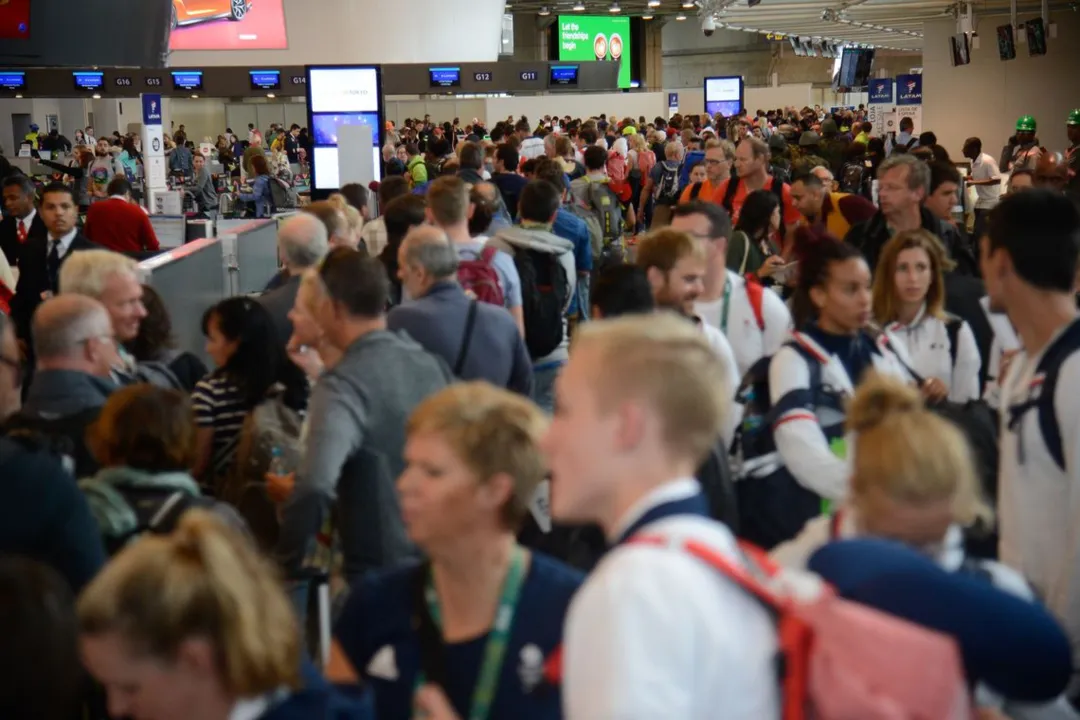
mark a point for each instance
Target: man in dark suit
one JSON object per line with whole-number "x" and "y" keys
{"x": 23, "y": 221}
{"x": 41, "y": 257}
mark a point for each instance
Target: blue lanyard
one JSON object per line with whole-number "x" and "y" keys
{"x": 498, "y": 638}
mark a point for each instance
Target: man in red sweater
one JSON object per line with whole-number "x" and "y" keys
{"x": 118, "y": 224}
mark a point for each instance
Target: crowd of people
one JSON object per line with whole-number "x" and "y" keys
{"x": 699, "y": 418}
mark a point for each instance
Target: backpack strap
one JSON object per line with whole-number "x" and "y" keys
{"x": 952, "y": 330}
{"x": 1051, "y": 364}
{"x": 695, "y": 190}
{"x": 488, "y": 254}
{"x": 466, "y": 339}
{"x": 755, "y": 292}
{"x": 729, "y": 194}
{"x": 168, "y": 515}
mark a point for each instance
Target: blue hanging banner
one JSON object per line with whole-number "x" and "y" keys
{"x": 881, "y": 91}
{"x": 909, "y": 89}
{"x": 673, "y": 100}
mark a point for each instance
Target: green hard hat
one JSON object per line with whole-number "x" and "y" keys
{"x": 1025, "y": 124}
{"x": 1074, "y": 117}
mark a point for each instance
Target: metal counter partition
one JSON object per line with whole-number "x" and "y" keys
{"x": 190, "y": 280}
{"x": 251, "y": 255}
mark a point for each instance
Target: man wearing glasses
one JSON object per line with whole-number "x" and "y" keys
{"x": 44, "y": 515}
{"x": 719, "y": 157}
{"x": 76, "y": 352}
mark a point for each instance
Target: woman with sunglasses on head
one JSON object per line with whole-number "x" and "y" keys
{"x": 909, "y": 300}
{"x": 195, "y": 625}
{"x": 466, "y": 634}
{"x": 809, "y": 381}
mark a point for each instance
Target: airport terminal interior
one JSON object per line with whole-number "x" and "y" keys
{"x": 540, "y": 359}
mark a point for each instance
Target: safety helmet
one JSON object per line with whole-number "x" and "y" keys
{"x": 1025, "y": 124}
{"x": 34, "y": 127}
{"x": 1074, "y": 117}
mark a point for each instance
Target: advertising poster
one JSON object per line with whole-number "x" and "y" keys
{"x": 909, "y": 99}
{"x": 595, "y": 37}
{"x": 15, "y": 19}
{"x": 880, "y": 103}
{"x": 228, "y": 25}
{"x": 153, "y": 148}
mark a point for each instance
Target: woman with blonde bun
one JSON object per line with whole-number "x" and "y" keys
{"x": 196, "y": 625}
{"x": 913, "y": 480}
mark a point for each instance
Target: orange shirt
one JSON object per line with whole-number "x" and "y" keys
{"x": 790, "y": 214}
{"x": 708, "y": 191}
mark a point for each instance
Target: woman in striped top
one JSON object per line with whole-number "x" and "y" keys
{"x": 243, "y": 343}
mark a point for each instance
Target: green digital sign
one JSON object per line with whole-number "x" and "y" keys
{"x": 596, "y": 37}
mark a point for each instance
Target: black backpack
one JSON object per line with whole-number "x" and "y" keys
{"x": 545, "y": 295}
{"x": 63, "y": 437}
{"x": 718, "y": 485}
{"x": 852, "y": 177}
{"x": 773, "y": 507}
{"x": 158, "y": 512}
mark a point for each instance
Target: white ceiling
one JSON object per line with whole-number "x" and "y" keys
{"x": 882, "y": 23}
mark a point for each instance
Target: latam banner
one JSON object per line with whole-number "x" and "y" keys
{"x": 880, "y": 104}
{"x": 909, "y": 99}
{"x": 153, "y": 146}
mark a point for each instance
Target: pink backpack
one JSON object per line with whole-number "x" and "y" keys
{"x": 842, "y": 660}
{"x": 616, "y": 167}
{"x": 479, "y": 279}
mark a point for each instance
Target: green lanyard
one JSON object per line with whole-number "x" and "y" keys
{"x": 498, "y": 638}
{"x": 727, "y": 306}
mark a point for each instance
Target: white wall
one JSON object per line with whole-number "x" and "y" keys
{"x": 985, "y": 98}
{"x": 682, "y": 35}
{"x": 72, "y": 116}
{"x": 583, "y": 105}
{"x": 373, "y": 31}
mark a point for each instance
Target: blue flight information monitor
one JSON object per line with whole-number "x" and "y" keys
{"x": 189, "y": 80}
{"x": 12, "y": 80}
{"x": 445, "y": 76}
{"x": 564, "y": 76}
{"x": 265, "y": 79}
{"x": 88, "y": 80}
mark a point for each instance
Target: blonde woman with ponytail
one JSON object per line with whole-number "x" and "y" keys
{"x": 913, "y": 480}
{"x": 196, "y": 625}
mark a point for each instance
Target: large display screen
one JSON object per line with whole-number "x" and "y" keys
{"x": 15, "y": 20}
{"x": 228, "y": 25}
{"x": 340, "y": 96}
{"x": 596, "y": 37}
{"x": 563, "y": 76}
{"x": 723, "y": 95}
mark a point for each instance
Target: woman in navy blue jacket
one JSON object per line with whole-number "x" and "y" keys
{"x": 468, "y": 634}
{"x": 196, "y": 625}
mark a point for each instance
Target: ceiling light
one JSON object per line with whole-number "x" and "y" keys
{"x": 646, "y": 16}
{"x": 579, "y": 6}
{"x": 544, "y": 12}
{"x": 688, "y": 4}
{"x": 270, "y": 95}
{"x": 97, "y": 96}
{"x": 614, "y": 8}
{"x": 654, "y": 3}
{"x": 680, "y": 16}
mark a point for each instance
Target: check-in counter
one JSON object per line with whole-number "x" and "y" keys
{"x": 251, "y": 255}
{"x": 190, "y": 281}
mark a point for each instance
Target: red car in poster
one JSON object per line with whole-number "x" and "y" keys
{"x": 188, "y": 12}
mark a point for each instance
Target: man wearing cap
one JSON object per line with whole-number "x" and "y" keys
{"x": 1022, "y": 152}
{"x": 1072, "y": 155}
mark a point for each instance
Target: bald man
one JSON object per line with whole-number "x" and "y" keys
{"x": 76, "y": 352}
{"x": 476, "y": 340}
{"x": 303, "y": 242}
{"x": 1051, "y": 171}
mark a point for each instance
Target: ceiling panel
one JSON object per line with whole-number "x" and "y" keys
{"x": 893, "y": 24}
